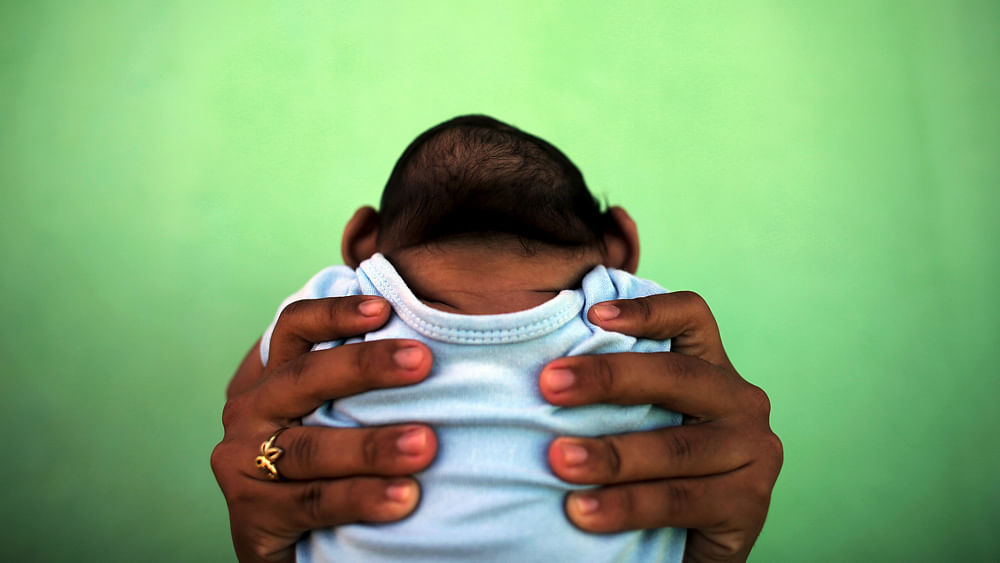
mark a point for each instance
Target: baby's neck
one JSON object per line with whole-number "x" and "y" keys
{"x": 491, "y": 278}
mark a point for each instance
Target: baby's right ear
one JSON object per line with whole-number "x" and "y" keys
{"x": 358, "y": 243}
{"x": 621, "y": 241}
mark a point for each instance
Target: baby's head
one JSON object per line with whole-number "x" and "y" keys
{"x": 474, "y": 178}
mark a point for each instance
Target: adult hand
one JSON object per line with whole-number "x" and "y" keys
{"x": 712, "y": 475}
{"x": 330, "y": 476}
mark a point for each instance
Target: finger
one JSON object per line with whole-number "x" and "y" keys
{"x": 682, "y": 316}
{"x": 312, "y": 505}
{"x": 681, "y": 451}
{"x": 271, "y": 517}
{"x": 673, "y": 381}
{"x": 304, "y": 323}
{"x": 323, "y": 453}
{"x": 303, "y": 384}
{"x": 679, "y": 503}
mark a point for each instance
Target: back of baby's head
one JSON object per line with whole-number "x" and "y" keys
{"x": 474, "y": 175}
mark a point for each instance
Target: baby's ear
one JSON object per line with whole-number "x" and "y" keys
{"x": 621, "y": 239}
{"x": 358, "y": 243}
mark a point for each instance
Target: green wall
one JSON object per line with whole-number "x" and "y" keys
{"x": 825, "y": 173}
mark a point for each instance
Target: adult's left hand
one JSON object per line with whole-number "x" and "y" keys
{"x": 712, "y": 475}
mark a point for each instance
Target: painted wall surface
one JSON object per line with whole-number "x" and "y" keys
{"x": 825, "y": 173}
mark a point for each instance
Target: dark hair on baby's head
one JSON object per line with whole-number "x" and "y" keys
{"x": 476, "y": 175}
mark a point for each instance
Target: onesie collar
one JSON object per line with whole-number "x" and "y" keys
{"x": 469, "y": 329}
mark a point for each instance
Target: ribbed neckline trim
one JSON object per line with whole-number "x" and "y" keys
{"x": 470, "y": 329}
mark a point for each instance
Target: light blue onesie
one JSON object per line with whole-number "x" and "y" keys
{"x": 489, "y": 495}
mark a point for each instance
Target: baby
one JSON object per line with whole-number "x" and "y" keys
{"x": 491, "y": 250}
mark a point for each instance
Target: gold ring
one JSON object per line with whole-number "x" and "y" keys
{"x": 269, "y": 454}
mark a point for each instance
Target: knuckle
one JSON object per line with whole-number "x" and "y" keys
{"x": 364, "y": 360}
{"x": 757, "y": 398}
{"x": 772, "y": 454}
{"x": 757, "y": 490}
{"x": 232, "y": 411}
{"x": 679, "y": 447}
{"x": 643, "y": 309}
{"x": 301, "y": 445}
{"x": 699, "y": 310}
{"x": 218, "y": 460}
{"x": 682, "y": 368}
{"x": 369, "y": 449}
{"x": 604, "y": 377}
{"x": 295, "y": 370}
{"x": 694, "y": 300}
{"x": 777, "y": 448}
{"x": 760, "y": 491}
{"x": 288, "y": 314}
{"x": 613, "y": 459}
{"x": 332, "y": 311}
{"x": 293, "y": 309}
{"x": 311, "y": 499}
{"x": 678, "y": 497}
{"x": 755, "y": 404}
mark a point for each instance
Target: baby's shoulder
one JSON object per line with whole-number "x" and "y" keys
{"x": 332, "y": 281}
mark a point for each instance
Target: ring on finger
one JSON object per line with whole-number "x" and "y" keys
{"x": 267, "y": 461}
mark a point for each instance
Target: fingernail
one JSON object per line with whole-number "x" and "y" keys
{"x": 574, "y": 454}
{"x": 399, "y": 491}
{"x": 585, "y": 504}
{"x": 371, "y": 307}
{"x": 559, "y": 379}
{"x": 412, "y": 441}
{"x": 606, "y": 312}
{"x": 408, "y": 358}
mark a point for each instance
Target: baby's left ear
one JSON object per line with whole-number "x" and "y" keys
{"x": 621, "y": 239}
{"x": 358, "y": 242}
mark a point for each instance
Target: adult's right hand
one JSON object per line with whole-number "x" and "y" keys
{"x": 330, "y": 476}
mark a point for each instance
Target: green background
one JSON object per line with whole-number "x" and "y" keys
{"x": 824, "y": 173}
